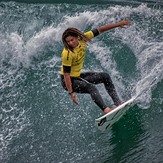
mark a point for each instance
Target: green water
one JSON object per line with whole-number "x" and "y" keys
{"x": 39, "y": 122}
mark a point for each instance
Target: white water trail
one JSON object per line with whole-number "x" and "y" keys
{"x": 151, "y": 68}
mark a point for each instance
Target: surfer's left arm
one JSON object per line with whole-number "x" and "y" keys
{"x": 107, "y": 27}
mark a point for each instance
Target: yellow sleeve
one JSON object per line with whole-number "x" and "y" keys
{"x": 66, "y": 58}
{"x": 89, "y": 34}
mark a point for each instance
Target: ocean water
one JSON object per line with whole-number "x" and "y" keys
{"x": 39, "y": 122}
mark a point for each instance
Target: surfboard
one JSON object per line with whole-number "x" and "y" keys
{"x": 107, "y": 120}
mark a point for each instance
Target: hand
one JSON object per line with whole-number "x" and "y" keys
{"x": 125, "y": 22}
{"x": 74, "y": 99}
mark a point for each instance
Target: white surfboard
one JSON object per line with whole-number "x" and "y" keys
{"x": 107, "y": 120}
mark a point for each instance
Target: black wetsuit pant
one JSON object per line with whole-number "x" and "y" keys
{"x": 86, "y": 84}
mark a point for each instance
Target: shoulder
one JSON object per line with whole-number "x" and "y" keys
{"x": 65, "y": 53}
{"x": 66, "y": 57}
{"x": 92, "y": 33}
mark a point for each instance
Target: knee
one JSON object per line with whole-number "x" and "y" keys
{"x": 106, "y": 77}
{"x": 91, "y": 88}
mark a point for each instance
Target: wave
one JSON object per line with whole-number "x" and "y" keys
{"x": 30, "y": 58}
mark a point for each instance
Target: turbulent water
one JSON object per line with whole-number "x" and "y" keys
{"x": 39, "y": 122}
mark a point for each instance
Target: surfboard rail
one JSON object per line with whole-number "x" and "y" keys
{"x": 107, "y": 120}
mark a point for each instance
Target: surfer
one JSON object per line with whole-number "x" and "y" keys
{"x": 73, "y": 54}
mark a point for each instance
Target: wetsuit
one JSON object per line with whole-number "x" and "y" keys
{"x": 72, "y": 62}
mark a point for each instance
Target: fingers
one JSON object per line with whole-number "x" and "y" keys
{"x": 124, "y": 23}
{"x": 74, "y": 99}
{"x": 127, "y": 22}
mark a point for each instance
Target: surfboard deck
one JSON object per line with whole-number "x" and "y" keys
{"x": 107, "y": 120}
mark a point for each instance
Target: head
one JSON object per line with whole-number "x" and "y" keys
{"x": 71, "y": 36}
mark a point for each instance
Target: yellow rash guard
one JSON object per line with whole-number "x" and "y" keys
{"x": 75, "y": 59}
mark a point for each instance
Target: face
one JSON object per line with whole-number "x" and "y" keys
{"x": 72, "y": 41}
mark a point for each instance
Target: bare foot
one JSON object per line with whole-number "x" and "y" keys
{"x": 107, "y": 110}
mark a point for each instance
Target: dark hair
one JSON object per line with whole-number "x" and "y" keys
{"x": 73, "y": 32}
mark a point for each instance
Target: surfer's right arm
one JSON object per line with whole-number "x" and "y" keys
{"x": 68, "y": 84}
